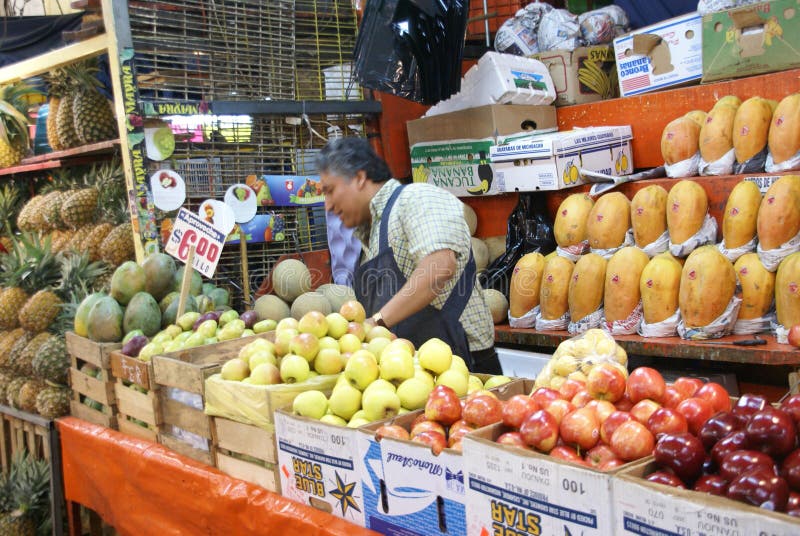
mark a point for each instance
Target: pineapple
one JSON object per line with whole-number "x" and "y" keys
{"x": 95, "y": 238}
{"x": 12, "y": 391}
{"x": 60, "y": 239}
{"x": 5, "y": 378}
{"x": 9, "y": 206}
{"x": 118, "y": 246}
{"x": 28, "y": 393}
{"x": 23, "y": 361}
{"x": 65, "y": 122}
{"x": 52, "y": 362}
{"x": 14, "y": 137}
{"x": 25, "y": 219}
{"x": 7, "y": 343}
{"x": 17, "y": 348}
{"x": 78, "y": 241}
{"x": 11, "y": 301}
{"x": 92, "y": 112}
{"x": 58, "y": 81}
{"x": 24, "y": 496}
{"x": 80, "y": 208}
{"x": 53, "y": 402}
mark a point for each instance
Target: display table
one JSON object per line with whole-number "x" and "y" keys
{"x": 139, "y": 487}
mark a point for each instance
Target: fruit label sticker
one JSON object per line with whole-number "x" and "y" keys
{"x": 191, "y": 230}
{"x": 169, "y": 189}
{"x": 218, "y": 214}
{"x": 242, "y": 200}
{"x": 159, "y": 142}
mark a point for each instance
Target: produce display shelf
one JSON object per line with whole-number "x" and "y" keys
{"x": 54, "y": 58}
{"x": 722, "y": 350}
{"x": 57, "y": 159}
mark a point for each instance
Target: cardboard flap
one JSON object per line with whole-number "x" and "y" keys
{"x": 645, "y": 43}
{"x": 746, "y": 18}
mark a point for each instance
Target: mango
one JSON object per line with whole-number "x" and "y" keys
{"x": 649, "y": 214}
{"x": 586, "y": 286}
{"x": 609, "y": 220}
{"x": 687, "y": 205}
{"x": 526, "y": 280}
{"x": 708, "y": 282}
{"x": 554, "y": 289}
{"x": 758, "y": 286}
{"x": 741, "y": 214}
{"x": 659, "y": 285}
{"x": 779, "y": 212}
{"x": 569, "y": 227}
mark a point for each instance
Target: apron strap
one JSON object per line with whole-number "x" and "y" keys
{"x": 462, "y": 291}
{"x": 383, "y": 240}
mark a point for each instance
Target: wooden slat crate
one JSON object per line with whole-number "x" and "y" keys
{"x": 21, "y": 431}
{"x": 137, "y": 396}
{"x": 246, "y": 452}
{"x": 187, "y": 370}
{"x": 83, "y": 351}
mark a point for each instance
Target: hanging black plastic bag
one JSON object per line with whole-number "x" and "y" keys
{"x": 529, "y": 230}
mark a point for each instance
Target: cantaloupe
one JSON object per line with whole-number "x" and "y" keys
{"x": 623, "y": 272}
{"x": 498, "y": 305}
{"x": 680, "y": 140}
{"x": 290, "y": 278}
{"x": 716, "y": 135}
{"x": 741, "y": 214}
{"x": 659, "y": 285}
{"x": 310, "y": 301}
{"x": 687, "y": 205}
{"x": 554, "y": 290}
{"x": 751, "y": 128}
{"x": 471, "y": 219}
{"x": 787, "y": 291}
{"x": 526, "y": 280}
{"x": 708, "y": 282}
{"x": 649, "y": 214}
{"x": 496, "y": 246}
{"x": 271, "y": 307}
{"x": 586, "y": 286}
{"x": 609, "y": 220}
{"x": 481, "y": 253}
{"x": 569, "y": 227}
{"x": 779, "y": 212}
{"x": 784, "y": 131}
{"x": 758, "y": 286}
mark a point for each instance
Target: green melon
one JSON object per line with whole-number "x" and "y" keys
{"x": 220, "y": 297}
{"x": 127, "y": 280}
{"x": 196, "y": 287}
{"x": 142, "y": 313}
{"x": 104, "y": 321}
{"x": 82, "y": 313}
{"x": 159, "y": 269}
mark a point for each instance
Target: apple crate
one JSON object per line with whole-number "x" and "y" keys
{"x": 186, "y": 371}
{"x": 138, "y": 404}
{"x": 95, "y": 387}
{"x": 246, "y": 452}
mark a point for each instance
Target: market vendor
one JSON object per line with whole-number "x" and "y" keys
{"x": 416, "y": 274}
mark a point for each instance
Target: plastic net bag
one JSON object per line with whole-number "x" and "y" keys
{"x": 590, "y": 321}
{"x": 627, "y": 326}
{"x": 684, "y": 168}
{"x": 666, "y": 328}
{"x": 721, "y": 166}
{"x": 733, "y": 254}
{"x": 520, "y": 34}
{"x": 771, "y": 258}
{"x": 659, "y": 245}
{"x": 559, "y": 30}
{"x": 706, "y": 235}
{"x": 719, "y": 327}
{"x": 608, "y": 253}
{"x": 597, "y": 27}
{"x": 781, "y": 332}
{"x": 756, "y": 164}
{"x": 528, "y": 320}
{"x": 575, "y": 357}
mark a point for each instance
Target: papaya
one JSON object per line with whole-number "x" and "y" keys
{"x": 698, "y": 116}
{"x": 779, "y": 212}
{"x": 716, "y": 135}
{"x": 569, "y": 227}
{"x": 741, "y": 213}
{"x": 609, "y": 220}
{"x": 586, "y": 286}
{"x": 658, "y": 286}
{"x": 680, "y": 140}
{"x": 758, "y": 286}
{"x": 708, "y": 282}
{"x": 649, "y": 214}
{"x": 728, "y": 100}
{"x": 784, "y": 131}
{"x": 751, "y": 128}
{"x": 526, "y": 280}
{"x": 623, "y": 272}
{"x": 787, "y": 291}
{"x": 687, "y": 205}
{"x": 554, "y": 290}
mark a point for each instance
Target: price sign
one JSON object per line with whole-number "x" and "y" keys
{"x": 189, "y": 230}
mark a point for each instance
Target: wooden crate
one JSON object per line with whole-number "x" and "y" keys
{"x": 83, "y": 351}
{"x": 137, "y": 396}
{"x": 95, "y": 353}
{"x": 22, "y": 431}
{"x": 246, "y": 452}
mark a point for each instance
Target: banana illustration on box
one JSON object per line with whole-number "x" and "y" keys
{"x": 621, "y": 163}
{"x": 485, "y": 175}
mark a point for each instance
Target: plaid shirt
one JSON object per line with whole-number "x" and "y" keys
{"x": 426, "y": 219}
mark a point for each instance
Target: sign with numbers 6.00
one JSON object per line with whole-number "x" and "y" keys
{"x": 189, "y": 230}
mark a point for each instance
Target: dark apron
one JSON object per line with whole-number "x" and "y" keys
{"x": 379, "y": 279}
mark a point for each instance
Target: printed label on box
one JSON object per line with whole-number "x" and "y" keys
{"x": 460, "y": 166}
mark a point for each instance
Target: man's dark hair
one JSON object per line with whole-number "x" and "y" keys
{"x": 345, "y": 157}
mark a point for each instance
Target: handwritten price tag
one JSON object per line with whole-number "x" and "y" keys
{"x": 189, "y": 230}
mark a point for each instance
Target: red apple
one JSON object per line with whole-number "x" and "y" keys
{"x": 672, "y": 397}
{"x": 794, "y": 500}
{"x": 458, "y": 430}
{"x": 599, "y": 454}
{"x": 696, "y": 411}
{"x": 760, "y": 487}
{"x": 434, "y": 440}
{"x": 570, "y": 388}
{"x": 682, "y": 453}
{"x": 610, "y": 425}
{"x": 792, "y": 406}
{"x": 512, "y": 439}
{"x": 713, "y": 484}
{"x": 668, "y": 479}
{"x": 737, "y": 462}
{"x": 611, "y": 464}
{"x": 772, "y": 431}
{"x": 419, "y": 418}
{"x": 443, "y": 405}
{"x": 392, "y": 430}
{"x": 481, "y": 392}
{"x": 427, "y": 426}
{"x": 517, "y": 409}
{"x": 456, "y": 446}
{"x": 790, "y": 470}
{"x": 717, "y": 395}
{"x": 748, "y": 404}
{"x": 581, "y": 398}
{"x": 540, "y": 431}
{"x": 687, "y": 386}
{"x": 483, "y": 410}
{"x": 602, "y": 409}
{"x": 643, "y": 409}
{"x": 646, "y": 382}
{"x": 666, "y": 421}
{"x": 580, "y": 428}
{"x": 794, "y": 336}
{"x": 544, "y": 395}
{"x": 606, "y": 382}
{"x": 559, "y": 408}
{"x": 624, "y": 403}
{"x": 632, "y": 440}
{"x": 730, "y": 443}
{"x": 717, "y": 427}
{"x": 564, "y": 452}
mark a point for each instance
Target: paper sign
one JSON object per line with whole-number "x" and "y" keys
{"x": 169, "y": 189}
{"x": 159, "y": 142}
{"x": 217, "y": 214}
{"x": 242, "y": 200}
{"x": 190, "y": 230}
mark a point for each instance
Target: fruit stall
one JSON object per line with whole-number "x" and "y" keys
{"x": 172, "y": 307}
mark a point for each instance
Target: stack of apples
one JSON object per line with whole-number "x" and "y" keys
{"x": 448, "y": 418}
{"x": 747, "y": 452}
{"x": 609, "y": 419}
{"x": 575, "y": 358}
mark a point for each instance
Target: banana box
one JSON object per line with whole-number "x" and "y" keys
{"x": 586, "y": 74}
{"x": 525, "y": 163}
{"x": 461, "y": 166}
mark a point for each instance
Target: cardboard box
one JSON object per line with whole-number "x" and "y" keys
{"x": 515, "y": 491}
{"x": 551, "y": 161}
{"x": 643, "y": 507}
{"x": 750, "y": 40}
{"x": 666, "y": 54}
{"x": 586, "y": 74}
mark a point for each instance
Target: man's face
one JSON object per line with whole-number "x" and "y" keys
{"x": 346, "y": 198}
